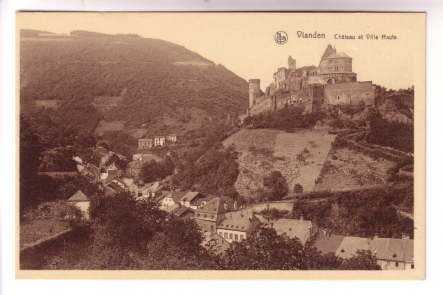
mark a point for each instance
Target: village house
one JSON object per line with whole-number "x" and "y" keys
{"x": 145, "y": 143}
{"x": 208, "y": 212}
{"x": 159, "y": 141}
{"x": 190, "y": 199}
{"x": 172, "y": 138}
{"x": 156, "y": 141}
{"x": 303, "y": 230}
{"x": 237, "y": 226}
{"x": 82, "y": 202}
{"x": 183, "y": 212}
{"x": 391, "y": 254}
{"x": 171, "y": 200}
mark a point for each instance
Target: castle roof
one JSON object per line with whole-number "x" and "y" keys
{"x": 329, "y": 50}
{"x": 338, "y": 55}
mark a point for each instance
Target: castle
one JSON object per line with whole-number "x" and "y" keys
{"x": 331, "y": 83}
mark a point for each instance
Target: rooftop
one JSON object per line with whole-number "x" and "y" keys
{"x": 350, "y": 245}
{"x": 393, "y": 249}
{"x": 237, "y": 221}
{"x": 293, "y": 228}
{"x": 328, "y": 243}
{"x": 189, "y": 196}
{"x": 338, "y": 55}
{"x": 78, "y": 196}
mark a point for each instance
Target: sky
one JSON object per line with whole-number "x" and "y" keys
{"x": 244, "y": 42}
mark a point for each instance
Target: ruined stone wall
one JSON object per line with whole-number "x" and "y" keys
{"x": 261, "y": 105}
{"x": 350, "y": 93}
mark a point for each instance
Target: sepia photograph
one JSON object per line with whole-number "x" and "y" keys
{"x": 197, "y": 144}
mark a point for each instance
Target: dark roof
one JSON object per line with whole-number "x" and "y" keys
{"x": 176, "y": 195}
{"x": 181, "y": 211}
{"x": 189, "y": 196}
{"x": 350, "y": 245}
{"x": 237, "y": 221}
{"x": 393, "y": 249}
{"x": 401, "y": 250}
{"x": 327, "y": 243}
{"x": 294, "y": 228}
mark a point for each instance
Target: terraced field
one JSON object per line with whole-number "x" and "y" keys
{"x": 299, "y": 156}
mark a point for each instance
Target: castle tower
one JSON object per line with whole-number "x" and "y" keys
{"x": 254, "y": 91}
{"x": 329, "y": 50}
{"x": 291, "y": 63}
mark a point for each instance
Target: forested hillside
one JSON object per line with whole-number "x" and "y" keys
{"x": 125, "y": 78}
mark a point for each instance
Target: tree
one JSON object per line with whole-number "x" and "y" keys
{"x": 275, "y": 185}
{"x": 154, "y": 170}
{"x": 363, "y": 260}
{"x": 69, "y": 186}
{"x": 265, "y": 250}
{"x": 298, "y": 188}
{"x": 214, "y": 172}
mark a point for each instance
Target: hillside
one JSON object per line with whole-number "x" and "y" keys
{"x": 299, "y": 156}
{"x": 138, "y": 85}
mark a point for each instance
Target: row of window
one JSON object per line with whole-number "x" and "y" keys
{"x": 233, "y": 237}
{"x": 205, "y": 215}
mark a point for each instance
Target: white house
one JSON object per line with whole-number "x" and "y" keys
{"x": 82, "y": 202}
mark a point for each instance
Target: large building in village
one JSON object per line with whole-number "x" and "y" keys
{"x": 332, "y": 82}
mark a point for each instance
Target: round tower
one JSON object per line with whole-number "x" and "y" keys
{"x": 291, "y": 63}
{"x": 254, "y": 91}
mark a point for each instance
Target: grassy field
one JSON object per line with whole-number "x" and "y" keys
{"x": 299, "y": 156}
{"x": 40, "y": 229}
{"x": 105, "y": 126}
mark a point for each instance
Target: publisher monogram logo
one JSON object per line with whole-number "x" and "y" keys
{"x": 281, "y": 37}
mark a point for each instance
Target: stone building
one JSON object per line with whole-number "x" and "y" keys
{"x": 332, "y": 82}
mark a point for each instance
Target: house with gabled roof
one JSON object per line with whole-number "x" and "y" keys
{"x": 390, "y": 253}
{"x": 237, "y": 225}
{"x": 393, "y": 253}
{"x": 303, "y": 230}
{"x": 171, "y": 199}
{"x": 190, "y": 199}
{"x": 209, "y": 212}
{"x": 326, "y": 242}
{"x": 82, "y": 202}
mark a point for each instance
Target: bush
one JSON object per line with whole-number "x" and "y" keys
{"x": 153, "y": 170}
{"x": 275, "y": 185}
{"x": 298, "y": 188}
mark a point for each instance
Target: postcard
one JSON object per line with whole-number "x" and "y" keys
{"x": 221, "y": 145}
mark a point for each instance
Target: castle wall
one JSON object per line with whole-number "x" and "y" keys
{"x": 350, "y": 93}
{"x": 262, "y": 104}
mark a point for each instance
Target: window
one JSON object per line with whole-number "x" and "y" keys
{"x": 230, "y": 236}
{"x": 236, "y": 237}
{"x": 412, "y": 266}
{"x": 396, "y": 264}
{"x": 225, "y": 235}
